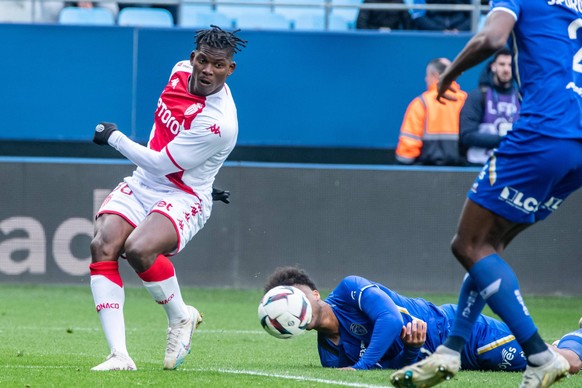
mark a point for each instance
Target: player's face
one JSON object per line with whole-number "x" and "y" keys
{"x": 210, "y": 67}
{"x": 314, "y": 298}
{"x": 502, "y": 69}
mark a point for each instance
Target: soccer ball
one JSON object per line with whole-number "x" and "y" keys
{"x": 284, "y": 312}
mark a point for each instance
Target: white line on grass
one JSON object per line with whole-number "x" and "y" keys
{"x": 219, "y": 370}
{"x": 280, "y": 376}
{"x": 199, "y": 331}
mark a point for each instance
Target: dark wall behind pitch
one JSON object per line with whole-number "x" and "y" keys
{"x": 390, "y": 224}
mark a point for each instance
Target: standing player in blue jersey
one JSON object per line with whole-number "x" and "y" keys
{"x": 365, "y": 325}
{"x": 536, "y": 167}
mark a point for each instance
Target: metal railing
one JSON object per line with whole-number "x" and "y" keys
{"x": 476, "y": 9}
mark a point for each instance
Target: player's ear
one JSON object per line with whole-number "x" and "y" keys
{"x": 316, "y": 295}
{"x": 192, "y": 54}
{"x": 231, "y": 68}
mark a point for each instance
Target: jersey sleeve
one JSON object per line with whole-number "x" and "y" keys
{"x": 510, "y": 6}
{"x": 154, "y": 162}
{"x": 194, "y": 146}
{"x": 381, "y": 310}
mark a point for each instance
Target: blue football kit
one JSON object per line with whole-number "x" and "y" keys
{"x": 539, "y": 163}
{"x": 371, "y": 317}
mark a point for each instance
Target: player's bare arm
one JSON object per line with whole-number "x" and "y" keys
{"x": 491, "y": 38}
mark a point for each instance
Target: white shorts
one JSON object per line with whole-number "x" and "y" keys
{"x": 134, "y": 201}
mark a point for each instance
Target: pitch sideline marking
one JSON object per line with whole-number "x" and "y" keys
{"x": 219, "y": 370}
{"x": 288, "y": 377}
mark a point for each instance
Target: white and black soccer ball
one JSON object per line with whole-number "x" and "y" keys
{"x": 284, "y": 312}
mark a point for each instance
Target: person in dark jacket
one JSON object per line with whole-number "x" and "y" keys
{"x": 377, "y": 19}
{"x": 452, "y": 21}
{"x": 490, "y": 110}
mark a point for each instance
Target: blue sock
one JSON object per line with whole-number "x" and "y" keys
{"x": 469, "y": 308}
{"x": 500, "y": 289}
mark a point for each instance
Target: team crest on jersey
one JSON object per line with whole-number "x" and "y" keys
{"x": 193, "y": 109}
{"x": 358, "y": 329}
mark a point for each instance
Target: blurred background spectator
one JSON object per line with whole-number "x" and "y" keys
{"x": 451, "y": 21}
{"x": 429, "y": 134}
{"x": 376, "y": 19}
{"x": 490, "y": 109}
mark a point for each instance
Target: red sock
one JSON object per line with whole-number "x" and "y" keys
{"x": 108, "y": 269}
{"x": 161, "y": 270}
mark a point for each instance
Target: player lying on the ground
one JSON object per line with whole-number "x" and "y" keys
{"x": 365, "y": 325}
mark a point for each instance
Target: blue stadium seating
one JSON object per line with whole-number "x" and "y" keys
{"x": 145, "y": 17}
{"x": 262, "y": 21}
{"x": 234, "y": 11}
{"x": 87, "y": 16}
{"x": 204, "y": 18}
{"x": 350, "y": 14}
{"x": 317, "y": 23}
{"x": 314, "y": 7}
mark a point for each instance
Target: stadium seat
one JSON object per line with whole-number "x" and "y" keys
{"x": 262, "y": 21}
{"x": 87, "y": 16}
{"x": 314, "y": 7}
{"x": 317, "y": 23}
{"x": 350, "y": 14}
{"x": 201, "y": 18}
{"x": 145, "y": 17}
{"x": 234, "y": 11}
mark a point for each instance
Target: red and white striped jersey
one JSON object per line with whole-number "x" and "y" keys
{"x": 197, "y": 134}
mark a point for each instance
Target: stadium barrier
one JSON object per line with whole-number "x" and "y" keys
{"x": 292, "y": 89}
{"x": 391, "y": 224}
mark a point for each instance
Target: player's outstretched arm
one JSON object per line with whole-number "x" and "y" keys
{"x": 491, "y": 38}
{"x": 157, "y": 163}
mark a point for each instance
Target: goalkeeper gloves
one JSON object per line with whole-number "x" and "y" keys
{"x": 102, "y": 133}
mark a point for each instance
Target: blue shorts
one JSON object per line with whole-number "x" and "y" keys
{"x": 491, "y": 347}
{"x": 528, "y": 176}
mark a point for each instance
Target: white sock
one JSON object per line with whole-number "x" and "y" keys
{"x": 167, "y": 293}
{"x": 540, "y": 358}
{"x": 109, "y": 299}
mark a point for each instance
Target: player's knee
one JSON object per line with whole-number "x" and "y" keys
{"x": 103, "y": 251}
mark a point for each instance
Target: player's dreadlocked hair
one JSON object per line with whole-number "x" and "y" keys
{"x": 289, "y": 276}
{"x": 216, "y": 37}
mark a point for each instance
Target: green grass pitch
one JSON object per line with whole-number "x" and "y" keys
{"x": 50, "y": 336}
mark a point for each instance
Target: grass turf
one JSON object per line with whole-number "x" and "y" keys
{"x": 51, "y": 337}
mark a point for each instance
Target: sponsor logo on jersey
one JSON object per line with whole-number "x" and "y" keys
{"x": 102, "y": 306}
{"x": 358, "y": 329}
{"x": 508, "y": 355}
{"x": 518, "y": 200}
{"x": 174, "y": 82}
{"x": 166, "y": 117}
{"x": 576, "y": 5}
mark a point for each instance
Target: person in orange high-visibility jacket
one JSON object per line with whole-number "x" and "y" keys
{"x": 430, "y": 130}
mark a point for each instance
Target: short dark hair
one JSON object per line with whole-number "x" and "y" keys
{"x": 216, "y": 37}
{"x": 289, "y": 276}
{"x": 501, "y": 51}
{"x": 438, "y": 65}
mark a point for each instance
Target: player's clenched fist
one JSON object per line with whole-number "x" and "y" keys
{"x": 102, "y": 132}
{"x": 414, "y": 333}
